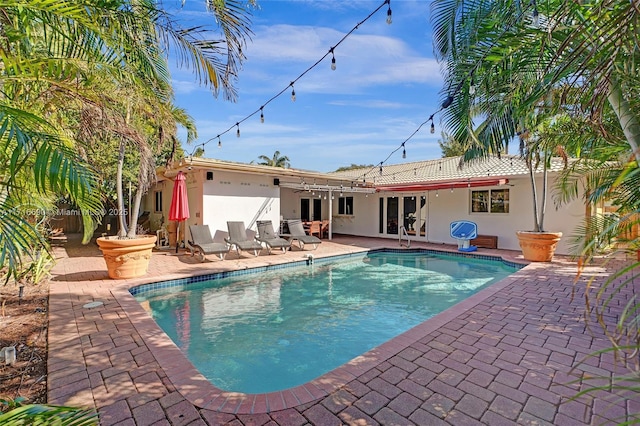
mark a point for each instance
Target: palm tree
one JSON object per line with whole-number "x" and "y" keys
{"x": 511, "y": 66}
{"x": 572, "y": 67}
{"x": 276, "y": 161}
{"x": 53, "y": 57}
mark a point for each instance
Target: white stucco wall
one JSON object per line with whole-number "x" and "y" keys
{"x": 449, "y": 206}
{"x": 232, "y": 196}
{"x": 239, "y": 197}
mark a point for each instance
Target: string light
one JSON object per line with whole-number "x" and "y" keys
{"x": 238, "y": 131}
{"x": 219, "y": 142}
{"x": 261, "y": 114}
{"x": 445, "y": 104}
{"x": 404, "y": 151}
{"x": 451, "y": 93}
{"x": 333, "y": 60}
{"x": 293, "y": 94}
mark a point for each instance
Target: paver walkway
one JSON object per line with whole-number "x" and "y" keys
{"x": 503, "y": 357}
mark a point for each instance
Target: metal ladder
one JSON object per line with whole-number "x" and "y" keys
{"x": 403, "y": 230}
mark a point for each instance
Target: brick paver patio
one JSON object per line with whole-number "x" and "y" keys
{"x": 508, "y": 355}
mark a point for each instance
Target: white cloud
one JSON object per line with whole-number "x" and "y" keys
{"x": 282, "y": 52}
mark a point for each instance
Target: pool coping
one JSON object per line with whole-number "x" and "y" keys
{"x": 196, "y": 389}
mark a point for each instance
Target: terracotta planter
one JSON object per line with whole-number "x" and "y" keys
{"x": 127, "y": 258}
{"x": 538, "y": 246}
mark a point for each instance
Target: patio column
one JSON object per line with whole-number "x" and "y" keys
{"x": 330, "y": 213}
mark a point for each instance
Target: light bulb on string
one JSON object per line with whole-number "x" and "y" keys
{"x": 535, "y": 16}
{"x": 404, "y": 151}
{"x": 262, "y": 114}
{"x": 293, "y": 93}
{"x": 238, "y": 131}
{"x": 447, "y": 102}
{"x": 219, "y": 142}
{"x": 433, "y": 128}
{"x": 472, "y": 87}
{"x": 333, "y": 60}
{"x": 389, "y": 19}
{"x": 380, "y": 169}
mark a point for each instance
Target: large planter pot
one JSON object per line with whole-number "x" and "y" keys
{"x": 538, "y": 246}
{"x": 127, "y": 258}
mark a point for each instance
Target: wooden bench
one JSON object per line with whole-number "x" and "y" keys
{"x": 486, "y": 241}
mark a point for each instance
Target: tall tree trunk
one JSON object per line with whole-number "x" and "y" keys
{"x": 135, "y": 210}
{"x": 532, "y": 177}
{"x": 628, "y": 121}
{"x": 545, "y": 181}
{"x": 122, "y": 226}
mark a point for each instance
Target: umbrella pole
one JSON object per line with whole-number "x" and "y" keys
{"x": 177, "y": 237}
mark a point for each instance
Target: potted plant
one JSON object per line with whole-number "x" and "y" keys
{"x": 127, "y": 254}
{"x": 139, "y": 113}
{"x": 538, "y": 245}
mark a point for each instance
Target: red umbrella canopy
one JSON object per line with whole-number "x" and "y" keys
{"x": 179, "y": 209}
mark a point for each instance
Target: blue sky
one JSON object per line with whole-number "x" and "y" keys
{"x": 386, "y": 84}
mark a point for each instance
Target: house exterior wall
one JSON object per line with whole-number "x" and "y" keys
{"x": 250, "y": 197}
{"x": 228, "y": 196}
{"x": 232, "y": 196}
{"x": 449, "y": 205}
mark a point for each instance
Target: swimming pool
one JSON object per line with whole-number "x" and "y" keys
{"x": 270, "y": 331}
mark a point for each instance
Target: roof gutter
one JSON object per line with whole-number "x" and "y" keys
{"x": 443, "y": 185}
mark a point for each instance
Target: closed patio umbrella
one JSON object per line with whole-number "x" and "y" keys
{"x": 179, "y": 209}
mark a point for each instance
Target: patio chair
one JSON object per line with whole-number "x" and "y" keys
{"x": 316, "y": 228}
{"x": 202, "y": 244}
{"x": 267, "y": 235}
{"x": 324, "y": 229}
{"x": 239, "y": 239}
{"x": 296, "y": 232}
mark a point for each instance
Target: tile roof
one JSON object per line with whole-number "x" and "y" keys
{"x": 445, "y": 170}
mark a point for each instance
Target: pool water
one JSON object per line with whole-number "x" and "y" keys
{"x": 271, "y": 331}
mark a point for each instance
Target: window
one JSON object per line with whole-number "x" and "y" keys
{"x": 490, "y": 201}
{"x": 381, "y": 216}
{"x": 345, "y": 205}
{"x": 392, "y": 215}
{"x": 500, "y": 201}
{"x": 158, "y": 205}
